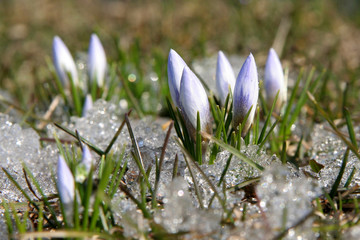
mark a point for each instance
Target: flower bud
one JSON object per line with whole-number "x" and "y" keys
{"x": 65, "y": 182}
{"x": 246, "y": 94}
{"x": 225, "y": 78}
{"x": 175, "y": 69}
{"x": 96, "y": 61}
{"x": 88, "y": 104}
{"x": 274, "y": 81}
{"x": 64, "y": 63}
{"x": 87, "y": 159}
{"x": 83, "y": 169}
{"x": 193, "y": 99}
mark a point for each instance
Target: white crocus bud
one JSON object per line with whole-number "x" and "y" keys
{"x": 87, "y": 159}
{"x": 88, "y": 104}
{"x": 64, "y": 63}
{"x": 225, "y": 78}
{"x": 66, "y": 187}
{"x": 193, "y": 99}
{"x": 274, "y": 81}
{"x": 84, "y": 167}
{"x": 175, "y": 69}
{"x": 246, "y": 95}
{"x": 96, "y": 61}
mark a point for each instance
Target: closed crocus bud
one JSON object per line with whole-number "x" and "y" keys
{"x": 96, "y": 61}
{"x": 193, "y": 99}
{"x": 225, "y": 78}
{"x": 274, "y": 80}
{"x": 87, "y": 159}
{"x": 88, "y": 104}
{"x": 83, "y": 169}
{"x": 65, "y": 184}
{"x": 246, "y": 94}
{"x": 175, "y": 69}
{"x": 64, "y": 63}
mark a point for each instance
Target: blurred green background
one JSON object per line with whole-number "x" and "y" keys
{"x": 306, "y": 33}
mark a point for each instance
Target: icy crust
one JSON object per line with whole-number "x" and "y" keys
{"x": 285, "y": 196}
{"x": 19, "y": 145}
{"x": 127, "y": 215}
{"x": 328, "y": 149}
{"x": 102, "y": 122}
{"x": 238, "y": 172}
{"x": 352, "y": 234}
{"x": 282, "y": 191}
{"x": 98, "y": 127}
{"x": 180, "y": 214}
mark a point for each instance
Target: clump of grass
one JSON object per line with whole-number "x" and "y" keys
{"x": 312, "y": 98}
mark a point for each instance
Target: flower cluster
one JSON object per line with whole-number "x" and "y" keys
{"x": 66, "y": 181}
{"x": 65, "y": 64}
{"x": 188, "y": 94}
{"x": 66, "y": 69}
{"x": 190, "y": 97}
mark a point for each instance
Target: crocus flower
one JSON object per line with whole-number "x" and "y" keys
{"x": 274, "y": 80}
{"x": 225, "y": 78}
{"x": 96, "y": 61}
{"x": 175, "y": 69}
{"x": 83, "y": 169}
{"x": 66, "y": 187}
{"x": 246, "y": 94}
{"x": 88, "y": 104}
{"x": 87, "y": 159}
{"x": 64, "y": 63}
{"x": 193, "y": 99}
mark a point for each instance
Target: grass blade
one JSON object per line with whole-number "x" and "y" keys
{"x": 234, "y": 151}
{"x": 107, "y": 150}
{"x": 137, "y": 154}
{"x": 73, "y": 134}
{"x": 268, "y": 119}
{"x": 348, "y": 181}
{"x": 162, "y": 156}
{"x": 291, "y": 101}
{"x": 350, "y": 128}
{"x": 341, "y": 172}
{"x": 333, "y": 126}
{"x": 198, "y": 153}
{"x": 175, "y": 168}
{"x": 7, "y": 217}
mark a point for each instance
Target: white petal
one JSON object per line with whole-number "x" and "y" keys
{"x": 274, "y": 79}
{"x": 175, "y": 69}
{"x": 87, "y": 105}
{"x": 193, "y": 99}
{"x": 64, "y": 62}
{"x": 87, "y": 158}
{"x": 246, "y": 93}
{"x": 96, "y": 61}
{"x": 225, "y": 77}
{"x": 65, "y": 182}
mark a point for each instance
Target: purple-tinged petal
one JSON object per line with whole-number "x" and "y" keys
{"x": 246, "y": 94}
{"x": 96, "y": 61}
{"x": 88, "y": 104}
{"x": 193, "y": 99}
{"x": 225, "y": 77}
{"x": 175, "y": 69}
{"x": 65, "y": 182}
{"x": 87, "y": 158}
{"x": 274, "y": 80}
{"x": 64, "y": 63}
